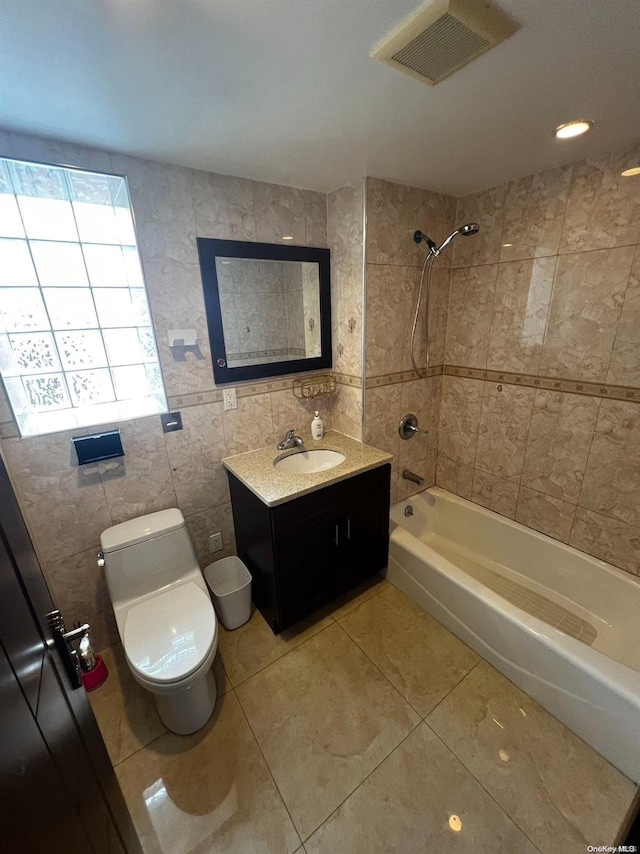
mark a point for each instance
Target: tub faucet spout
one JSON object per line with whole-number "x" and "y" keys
{"x": 413, "y": 477}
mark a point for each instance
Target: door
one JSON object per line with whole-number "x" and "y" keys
{"x": 364, "y": 541}
{"x": 57, "y": 787}
{"x": 306, "y": 566}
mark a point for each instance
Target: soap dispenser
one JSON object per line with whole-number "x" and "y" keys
{"x": 317, "y": 427}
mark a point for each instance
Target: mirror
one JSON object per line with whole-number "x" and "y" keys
{"x": 268, "y": 308}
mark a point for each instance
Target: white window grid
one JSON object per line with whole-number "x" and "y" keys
{"x": 22, "y": 181}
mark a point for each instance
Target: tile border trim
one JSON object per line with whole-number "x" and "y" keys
{"x": 214, "y": 395}
{"x": 402, "y": 377}
{"x": 588, "y": 388}
{"x": 347, "y": 379}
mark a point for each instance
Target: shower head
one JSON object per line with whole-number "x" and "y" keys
{"x": 464, "y": 230}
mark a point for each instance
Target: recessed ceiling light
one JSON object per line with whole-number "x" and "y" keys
{"x": 570, "y": 129}
{"x": 287, "y": 237}
{"x": 628, "y": 173}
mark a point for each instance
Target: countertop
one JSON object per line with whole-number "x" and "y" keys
{"x": 256, "y": 470}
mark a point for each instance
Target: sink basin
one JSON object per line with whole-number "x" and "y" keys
{"x": 309, "y": 462}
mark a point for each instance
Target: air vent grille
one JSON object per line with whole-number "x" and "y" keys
{"x": 441, "y": 48}
{"x": 442, "y": 36}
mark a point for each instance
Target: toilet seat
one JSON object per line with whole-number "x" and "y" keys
{"x": 170, "y": 635}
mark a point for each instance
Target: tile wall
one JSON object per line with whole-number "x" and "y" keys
{"x": 345, "y": 231}
{"x": 540, "y": 414}
{"x": 532, "y": 396}
{"x": 393, "y": 267}
{"x": 67, "y": 507}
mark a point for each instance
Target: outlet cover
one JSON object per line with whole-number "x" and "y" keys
{"x": 229, "y": 398}
{"x": 215, "y": 542}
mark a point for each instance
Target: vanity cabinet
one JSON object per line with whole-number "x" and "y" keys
{"x": 307, "y": 551}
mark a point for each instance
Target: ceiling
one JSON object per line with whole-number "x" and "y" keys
{"x": 285, "y": 91}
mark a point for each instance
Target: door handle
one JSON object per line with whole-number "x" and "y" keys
{"x": 64, "y": 640}
{"x": 348, "y": 529}
{"x": 336, "y": 536}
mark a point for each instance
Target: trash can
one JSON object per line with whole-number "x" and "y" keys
{"x": 230, "y": 583}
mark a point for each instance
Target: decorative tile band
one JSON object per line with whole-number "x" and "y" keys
{"x": 591, "y": 389}
{"x": 347, "y": 379}
{"x": 180, "y": 401}
{"x": 248, "y": 389}
{"x": 401, "y": 377}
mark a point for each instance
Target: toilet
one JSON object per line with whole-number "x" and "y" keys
{"x": 165, "y": 618}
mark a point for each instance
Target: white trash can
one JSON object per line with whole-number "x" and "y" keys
{"x": 230, "y": 583}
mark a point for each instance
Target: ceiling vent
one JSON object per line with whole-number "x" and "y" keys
{"x": 442, "y": 36}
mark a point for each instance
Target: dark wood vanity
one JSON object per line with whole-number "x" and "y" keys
{"x": 304, "y": 552}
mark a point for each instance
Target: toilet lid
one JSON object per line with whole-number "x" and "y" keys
{"x": 168, "y": 636}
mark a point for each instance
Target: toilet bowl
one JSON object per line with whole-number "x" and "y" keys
{"x": 166, "y": 621}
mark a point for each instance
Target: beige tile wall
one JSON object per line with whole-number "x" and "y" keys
{"x": 550, "y": 287}
{"x": 561, "y": 300}
{"x": 67, "y": 507}
{"x": 345, "y": 232}
{"x": 393, "y": 266}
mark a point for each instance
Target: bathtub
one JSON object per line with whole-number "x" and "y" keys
{"x": 565, "y": 627}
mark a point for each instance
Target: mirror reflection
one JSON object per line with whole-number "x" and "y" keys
{"x": 270, "y": 310}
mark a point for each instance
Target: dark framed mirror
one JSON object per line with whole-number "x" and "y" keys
{"x": 268, "y": 308}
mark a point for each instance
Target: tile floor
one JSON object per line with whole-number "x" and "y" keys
{"x": 370, "y": 728}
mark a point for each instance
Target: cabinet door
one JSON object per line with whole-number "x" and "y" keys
{"x": 363, "y": 542}
{"x": 307, "y": 563}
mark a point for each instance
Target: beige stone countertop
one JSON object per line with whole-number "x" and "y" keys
{"x": 256, "y": 468}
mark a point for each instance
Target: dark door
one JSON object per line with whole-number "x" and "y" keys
{"x": 57, "y": 787}
{"x": 364, "y": 541}
{"x": 306, "y": 568}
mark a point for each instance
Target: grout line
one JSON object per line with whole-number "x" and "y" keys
{"x": 622, "y": 307}
{"x": 524, "y": 453}
{"x": 482, "y": 786}
{"x": 550, "y": 255}
{"x": 480, "y": 660}
{"x": 572, "y": 179}
{"x": 319, "y": 632}
{"x": 493, "y": 312}
{"x": 548, "y": 312}
{"x": 348, "y": 636}
{"x": 373, "y": 770}
{"x": 586, "y": 466}
{"x": 255, "y": 738}
{"x": 355, "y": 608}
{"x": 142, "y": 747}
{"x": 275, "y": 660}
{"x": 384, "y": 675}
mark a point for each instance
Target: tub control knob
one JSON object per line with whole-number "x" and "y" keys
{"x": 408, "y": 426}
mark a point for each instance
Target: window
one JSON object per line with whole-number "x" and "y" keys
{"x": 76, "y": 343}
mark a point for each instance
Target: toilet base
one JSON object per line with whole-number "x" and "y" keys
{"x": 188, "y": 710}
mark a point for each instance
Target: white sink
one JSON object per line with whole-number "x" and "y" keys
{"x": 309, "y": 462}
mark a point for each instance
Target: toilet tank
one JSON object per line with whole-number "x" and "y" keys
{"x": 143, "y": 555}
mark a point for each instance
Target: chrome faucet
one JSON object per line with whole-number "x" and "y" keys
{"x": 290, "y": 441}
{"x": 413, "y": 477}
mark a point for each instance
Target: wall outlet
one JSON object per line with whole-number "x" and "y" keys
{"x": 229, "y": 398}
{"x": 215, "y": 542}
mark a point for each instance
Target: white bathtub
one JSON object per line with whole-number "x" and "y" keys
{"x": 449, "y": 550}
